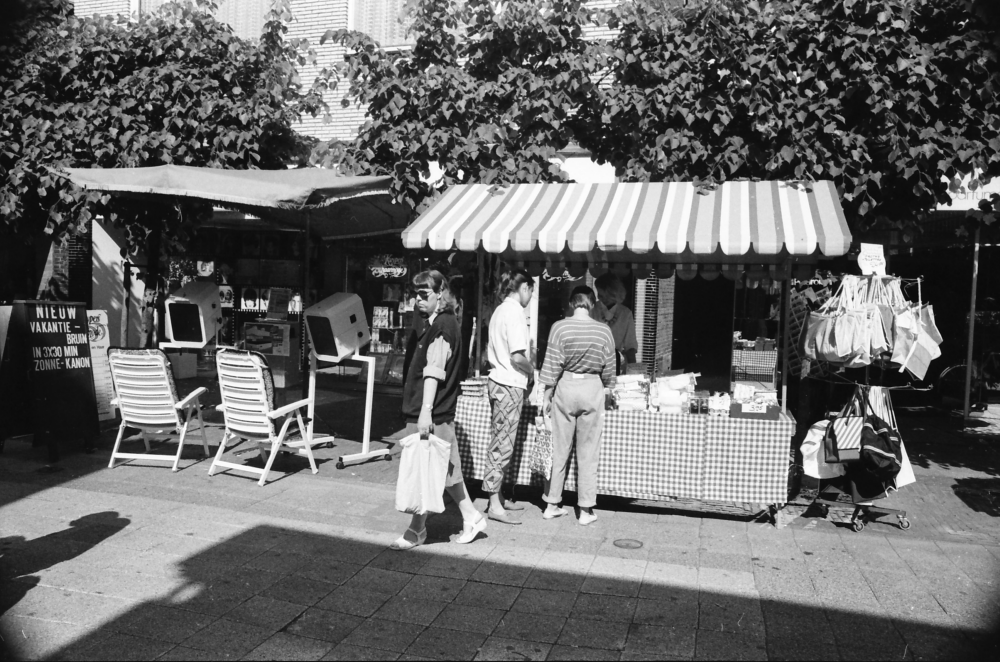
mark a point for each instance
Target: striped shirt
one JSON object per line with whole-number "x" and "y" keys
{"x": 580, "y": 345}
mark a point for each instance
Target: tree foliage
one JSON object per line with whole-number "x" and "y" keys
{"x": 174, "y": 86}
{"x": 490, "y": 92}
{"x": 893, "y": 100}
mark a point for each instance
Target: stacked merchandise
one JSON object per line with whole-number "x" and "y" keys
{"x": 869, "y": 320}
{"x": 672, "y": 394}
{"x": 631, "y": 393}
{"x": 749, "y": 402}
{"x": 474, "y": 387}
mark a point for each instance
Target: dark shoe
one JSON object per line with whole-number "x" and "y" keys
{"x": 501, "y": 517}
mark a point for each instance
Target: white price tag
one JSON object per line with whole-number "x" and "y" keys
{"x": 754, "y": 408}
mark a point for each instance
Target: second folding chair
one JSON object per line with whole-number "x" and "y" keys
{"x": 247, "y": 390}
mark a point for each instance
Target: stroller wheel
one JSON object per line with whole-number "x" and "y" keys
{"x": 858, "y": 525}
{"x": 904, "y": 523}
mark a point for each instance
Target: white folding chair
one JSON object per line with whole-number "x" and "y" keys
{"x": 247, "y": 390}
{"x": 146, "y": 396}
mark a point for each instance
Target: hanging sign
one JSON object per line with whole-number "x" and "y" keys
{"x": 387, "y": 266}
{"x": 104, "y": 389}
{"x": 872, "y": 260}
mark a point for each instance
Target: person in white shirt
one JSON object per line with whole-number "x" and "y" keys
{"x": 510, "y": 376}
{"x": 611, "y": 310}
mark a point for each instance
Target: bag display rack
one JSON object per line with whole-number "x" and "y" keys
{"x": 846, "y": 442}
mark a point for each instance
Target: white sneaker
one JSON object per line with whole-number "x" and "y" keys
{"x": 587, "y": 518}
{"x": 552, "y": 512}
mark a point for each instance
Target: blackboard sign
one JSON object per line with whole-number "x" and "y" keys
{"x": 47, "y": 359}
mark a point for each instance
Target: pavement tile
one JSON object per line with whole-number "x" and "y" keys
{"x": 674, "y": 613}
{"x": 410, "y": 562}
{"x": 666, "y": 580}
{"x": 441, "y": 644}
{"x": 55, "y": 604}
{"x": 354, "y": 600}
{"x": 660, "y": 641}
{"x": 322, "y": 624}
{"x": 413, "y": 658}
{"x": 772, "y": 580}
{"x": 726, "y": 561}
{"x": 501, "y": 648}
{"x": 384, "y": 635}
{"x": 597, "y": 607}
{"x": 410, "y": 610}
{"x": 228, "y": 639}
{"x": 554, "y": 580}
{"x": 327, "y": 570}
{"x": 560, "y": 652}
{"x": 388, "y": 582}
{"x": 788, "y": 621}
{"x": 714, "y": 645}
{"x": 284, "y": 646}
{"x": 266, "y": 612}
{"x": 615, "y": 577}
{"x": 443, "y": 589}
{"x": 530, "y": 627}
{"x": 734, "y": 614}
{"x": 468, "y": 618}
{"x": 505, "y": 573}
{"x": 799, "y": 648}
{"x": 491, "y": 596}
{"x": 164, "y": 623}
{"x": 450, "y": 566}
{"x": 609, "y": 635}
{"x": 124, "y": 647}
{"x": 185, "y": 654}
{"x": 351, "y": 653}
{"x": 299, "y": 590}
{"x": 726, "y": 581}
{"x": 856, "y": 633}
{"x": 548, "y": 603}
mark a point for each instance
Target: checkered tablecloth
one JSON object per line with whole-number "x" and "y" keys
{"x": 747, "y": 460}
{"x": 754, "y": 365}
{"x": 651, "y": 456}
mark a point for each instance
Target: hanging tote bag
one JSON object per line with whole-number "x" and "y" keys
{"x": 540, "y": 460}
{"x": 843, "y": 438}
{"x": 423, "y": 467}
{"x": 814, "y": 454}
{"x": 819, "y": 339}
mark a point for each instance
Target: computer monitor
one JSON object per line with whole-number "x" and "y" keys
{"x": 337, "y": 327}
{"x": 193, "y": 315}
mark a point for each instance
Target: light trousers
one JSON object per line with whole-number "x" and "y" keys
{"x": 577, "y": 412}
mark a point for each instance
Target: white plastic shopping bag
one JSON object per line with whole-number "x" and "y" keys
{"x": 423, "y": 467}
{"x": 814, "y": 456}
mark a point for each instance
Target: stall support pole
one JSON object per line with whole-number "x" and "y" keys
{"x": 972, "y": 329}
{"x": 306, "y": 360}
{"x": 786, "y": 305}
{"x": 479, "y": 310}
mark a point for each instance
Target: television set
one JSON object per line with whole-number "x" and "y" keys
{"x": 337, "y": 327}
{"x": 193, "y": 315}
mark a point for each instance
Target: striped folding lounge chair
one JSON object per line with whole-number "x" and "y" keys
{"x": 146, "y": 396}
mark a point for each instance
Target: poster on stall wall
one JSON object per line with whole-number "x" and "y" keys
{"x": 100, "y": 341}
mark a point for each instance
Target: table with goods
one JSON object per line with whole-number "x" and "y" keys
{"x": 663, "y": 439}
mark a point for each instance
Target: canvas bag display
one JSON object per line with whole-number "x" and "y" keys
{"x": 842, "y": 442}
{"x": 540, "y": 460}
{"x": 423, "y": 467}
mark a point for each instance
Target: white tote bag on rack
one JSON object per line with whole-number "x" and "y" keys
{"x": 423, "y": 467}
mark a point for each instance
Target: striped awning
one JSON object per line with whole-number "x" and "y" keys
{"x": 759, "y": 222}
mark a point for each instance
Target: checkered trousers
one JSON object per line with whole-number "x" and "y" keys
{"x": 747, "y": 460}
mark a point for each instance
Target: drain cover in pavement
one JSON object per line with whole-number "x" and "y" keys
{"x": 628, "y": 543}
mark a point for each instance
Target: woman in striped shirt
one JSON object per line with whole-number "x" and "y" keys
{"x": 579, "y": 365}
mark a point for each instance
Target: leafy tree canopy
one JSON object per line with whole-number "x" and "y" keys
{"x": 174, "y": 86}
{"x": 894, "y": 100}
{"x": 490, "y": 92}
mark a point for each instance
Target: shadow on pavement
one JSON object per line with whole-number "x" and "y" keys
{"x": 276, "y": 593}
{"x": 980, "y": 494}
{"x": 21, "y": 560}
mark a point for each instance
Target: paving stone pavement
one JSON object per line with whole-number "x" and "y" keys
{"x": 138, "y": 562}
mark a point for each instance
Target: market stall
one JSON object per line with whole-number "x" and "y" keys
{"x": 754, "y": 232}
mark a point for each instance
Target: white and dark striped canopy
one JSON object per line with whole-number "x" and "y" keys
{"x": 668, "y": 222}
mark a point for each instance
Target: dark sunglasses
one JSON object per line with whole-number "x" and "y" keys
{"x": 425, "y": 294}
